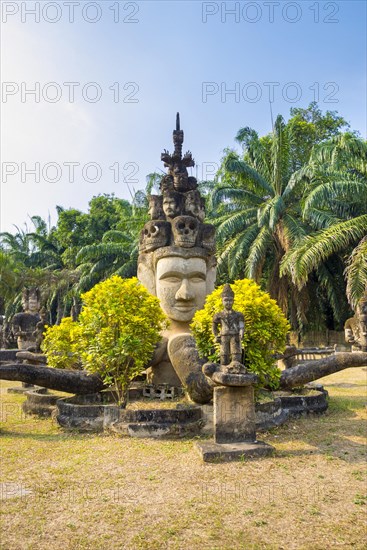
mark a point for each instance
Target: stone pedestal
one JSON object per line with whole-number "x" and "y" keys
{"x": 234, "y": 414}
{"x": 234, "y": 420}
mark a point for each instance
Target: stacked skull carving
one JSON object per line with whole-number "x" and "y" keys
{"x": 177, "y": 215}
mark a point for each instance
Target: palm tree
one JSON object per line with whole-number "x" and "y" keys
{"x": 117, "y": 254}
{"x": 258, "y": 215}
{"x": 336, "y": 207}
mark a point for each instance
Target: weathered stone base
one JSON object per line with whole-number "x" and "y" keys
{"x": 40, "y": 402}
{"x": 228, "y": 452}
{"x": 8, "y": 355}
{"x": 155, "y": 430}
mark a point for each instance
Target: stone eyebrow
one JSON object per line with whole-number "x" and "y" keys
{"x": 198, "y": 274}
{"x": 167, "y": 274}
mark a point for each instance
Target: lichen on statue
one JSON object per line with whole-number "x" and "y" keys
{"x": 177, "y": 264}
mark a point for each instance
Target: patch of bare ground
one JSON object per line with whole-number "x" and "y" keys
{"x": 70, "y": 491}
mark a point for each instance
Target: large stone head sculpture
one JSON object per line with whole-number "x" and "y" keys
{"x": 180, "y": 277}
{"x": 176, "y": 261}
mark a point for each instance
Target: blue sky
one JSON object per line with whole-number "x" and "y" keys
{"x": 164, "y": 60}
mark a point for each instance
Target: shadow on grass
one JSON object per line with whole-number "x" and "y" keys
{"x": 62, "y": 436}
{"x": 329, "y": 432}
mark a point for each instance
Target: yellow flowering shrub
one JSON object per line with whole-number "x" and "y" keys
{"x": 265, "y": 329}
{"x": 115, "y": 335}
{"x": 61, "y": 345}
{"x": 120, "y": 325}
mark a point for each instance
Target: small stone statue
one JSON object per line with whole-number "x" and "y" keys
{"x": 355, "y": 328}
{"x": 39, "y": 330}
{"x": 228, "y": 328}
{"x": 24, "y": 324}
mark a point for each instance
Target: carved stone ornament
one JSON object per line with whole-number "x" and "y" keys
{"x": 194, "y": 205}
{"x": 156, "y": 207}
{"x": 185, "y": 231}
{"x": 172, "y": 204}
{"x": 155, "y": 234}
{"x": 207, "y": 237}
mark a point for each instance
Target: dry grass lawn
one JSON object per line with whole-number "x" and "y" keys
{"x": 70, "y": 491}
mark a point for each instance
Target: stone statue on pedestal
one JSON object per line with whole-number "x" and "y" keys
{"x": 234, "y": 401}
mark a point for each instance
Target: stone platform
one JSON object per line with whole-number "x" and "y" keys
{"x": 228, "y": 452}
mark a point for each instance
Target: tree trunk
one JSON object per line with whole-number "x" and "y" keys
{"x": 54, "y": 379}
{"x": 312, "y": 370}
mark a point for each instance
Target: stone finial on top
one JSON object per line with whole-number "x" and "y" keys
{"x": 180, "y": 205}
{"x": 177, "y": 164}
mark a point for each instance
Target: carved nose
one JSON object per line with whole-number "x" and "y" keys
{"x": 184, "y": 292}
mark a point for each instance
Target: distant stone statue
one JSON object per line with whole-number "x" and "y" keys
{"x": 23, "y": 325}
{"x": 228, "y": 328}
{"x": 40, "y": 329}
{"x": 355, "y": 328}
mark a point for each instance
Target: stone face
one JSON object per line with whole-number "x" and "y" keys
{"x": 172, "y": 204}
{"x": 194, "y": 205}
{"x": 181, "y": 286}
{"x": 234, "y": 414}
{"x": 156, "y": 207}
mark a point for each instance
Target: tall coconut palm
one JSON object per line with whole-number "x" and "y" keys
{"x": 336, "y": 207}
{"x": 258, "y": 215}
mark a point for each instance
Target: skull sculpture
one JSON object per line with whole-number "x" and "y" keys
{"x": 185, "y": 230}
{"x": 154, "y": 235}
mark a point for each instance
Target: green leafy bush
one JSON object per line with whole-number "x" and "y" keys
{"x": 265, "y": 329}
{"x": 116, "y": 332}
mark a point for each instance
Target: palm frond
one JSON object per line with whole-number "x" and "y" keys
{"x": 315, "y": 249}
{"x": 257, "y": 254}
{"x": 239, "y": 167}
{"x": 356, "y": 273}
{"x": 236, "y": 223}
{"x": 344, "y": 189}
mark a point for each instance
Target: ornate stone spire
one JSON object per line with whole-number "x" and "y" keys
{"x": 177, "y": 215}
